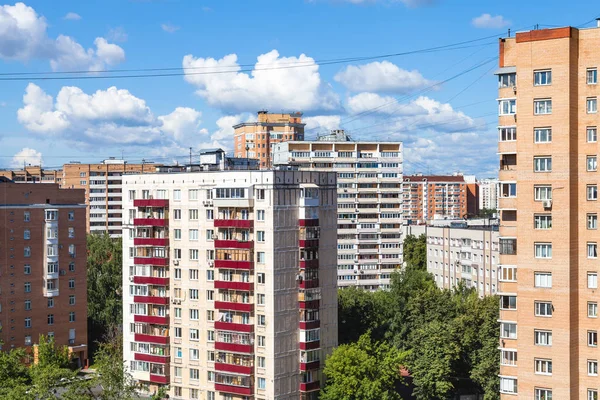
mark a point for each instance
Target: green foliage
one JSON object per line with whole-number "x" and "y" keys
{"x": 415, "y": 252}
{"x": 360, "y": 311}
{"x": 487, "y": 212}
{"x": 364, "y": 370}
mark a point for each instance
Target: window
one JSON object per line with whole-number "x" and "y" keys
{"x": 543, "y": 279}
{"x": 542, "y": 338}
{"x": 592, "y": 280}
{"x": 26, "y": 216}
{"x": 210, "y": 275}
{"x": 210, "y": 295}
{"x": 72, "y": 300}
{"x": 210, "y": 315}
{"x": 508, "y": 302}
{"x": 177, "y": 273}
{"x": 26, "y": 234}
{"x": 28, "y": 322}
{"x": 592, "y": 192}
{"x": 210, "y": 335}
{"x": 260, "y": 299}
{"x": 261, "y": 341}
{"x": 508, "y": 357}
{"x": 261, "y": 320}
{"x": 210, "y": 356}
{"x": 591, "y": 105}
{"x": 176, "y": 214}
{"x": 260, "y": 194}
{"x": 508, "y": 385}
{"x": 543, "y": 394}
{"x": 262, "y": 383}
{"x": 542, "y": 106}
{"x": 542, "y": 135}
{"x": 210, "y": 215}
{"x": 542, "y": 221}
{"x": 27, "y": 305}
{"x": 260, "y": 257}
{"x": 27, "y": 251}
{"x": 72, "y": 316}
{"x": 194, "y": 314}
{"x": 50, "y": 303}
{"x": 260, "y": 277}
{"x": 71, "y": 283}
{"x": 194, "y": 334}
{"x": 592, "y": 394}
{"x": 543, "y": 250}
{"x": 260, "y": 215}
{"x": 592, "y": 248}
{"x": 194, "y": 274}
{"x": 592, "y": 338}
{"x": 193, "y": 194}
{"x": 194, "y": 354}
{"x": 194, "y": 374}
{"x": 177, "y": 194}
{"x": 543, "y": 366}
{"x": 541, "y": 78}
{"x": 507, "y": 80}
{"x": 50, "y": 319}
{"x": 260, "y": 236}
{"x": 592, "y": 309}
{"x": 592, "y": 76}
{"x": 507, "y": 134}
{"x": 27, "y": 287}
{"x": 543, "y": 309}
{"x": 261, "y": 362}
{"x": 27, "y": 340}
{"x": 194, "y": 254}
{"x": 27, "y": 269}
{"x": 507, "y": 107}
{"x": 592, "y": 163}
{"x": 508, "y": 330}
{"x": 542, "y": 193}
{"x": 542, "y": 164}
{"x": 592, "y": 367}
{"x": 592, "y": 221}
{"x": 592, "y": 135}
{"x": 193, "y": 213}
{"x": 507, "y": 273}
{"x": 72, "y": 267}
{"x": 193, "y": 234}
{"x": 177, "y": 234}
{"x": 210, "y": 234}
{"x": 194, "y": 294}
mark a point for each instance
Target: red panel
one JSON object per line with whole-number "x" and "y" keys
{"x": 151, "y": 358}
{"x": 235, "y": 348}
{"x": 309, "y": 263}
{"x": 226, "y": 305}
{"x": 308, "y": 243}
{"x": 308, "y": 222}
{"x": 233, "y": 244}
{"x": 151, "y": 339}
{"x": 160, "y": 261}
{"x": 308, "y": 304}
{"x": 544, "y": 34}
{"x": 233, "y": 389}
{"x": 230, "y": 264}
{"x": 151, "y": 203}
{"x": 236, "y": 369}
{"x": 150, "y": 242}
{"x": 310, "y": 345}
{"x": 234, "y": 285}
{"x": 228, "y": 326}
{"x": 309, "y": 387}
{"x": 309, "y": 366}
{"x": 150, "y": 300}
{"x": 234, "y": 223}
{"x": 313, "y": 283}
{"x": 150, "y": 222}
{"x": 150, "y": 280}
{"x": 163, "y": 380}
{"x": 149, "y": 319}
{"x": 309, "y": 324}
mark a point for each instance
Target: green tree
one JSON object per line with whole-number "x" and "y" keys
{"x": 364, "y": 370}
{"x": 360, "y": 311}
{"x": 415, "y": 252}
{"x": 14, "y": 375}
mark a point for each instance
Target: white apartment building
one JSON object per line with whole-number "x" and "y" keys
{"x": 230, "y": 282}
{"x": 369, "y": 202}
{"x": 488, "y": 193}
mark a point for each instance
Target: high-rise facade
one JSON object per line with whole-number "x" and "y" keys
{"x": 230, "y": 282}
{"x": 548, "y": 91}
{"x": 488, "y": 194}
{"x": 369, "y": 214}
{"x": 43, "y": 289}
{"x": 256, "y": 139}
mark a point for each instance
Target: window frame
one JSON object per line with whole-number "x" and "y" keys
{"x": 542, "y": 106}
{"x": 546, "y": 73}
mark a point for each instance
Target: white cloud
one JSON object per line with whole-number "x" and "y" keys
{"x": 26, "y": 156}
{"x": 487, "y": 21}
{"x": 182, "y": 123}
{"x": 322, "y": 123}
{"x": 381, "y": 77}
{"x": 271, "y": 84}
{"x": 372, "y": 103}
{"x": 23, "y": 36}
{"x": 169, "y": 28}
{"x": 71, "y": 16}
{"x": 117, "y": 34}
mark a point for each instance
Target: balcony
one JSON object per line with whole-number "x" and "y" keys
{"x": 151, "y": 358}
{"x": 234, "y": 244}
{"x": 150, "y": 222}
{"x": 236, "y": 369}
{"x": 242, "y": 391}
{"x": 310, "y": 304}
{"x": 232, "y": 264}
{"x": 308, "y": 222}
{"x": 234, "y": 347}
{"x": 50, "y": 292}
{"x": 308, "y": 243}
{"x": 160, "y": 261}
{"x": 309, "y": 387}
{"x": 162, "y": 380}
{"x": 151, "y": 319}
{"x": 234, "y": 223}
{"x": 309, "y": 324}
{"x": 230, "y": 326}
{"x": 309, "y": 263}
{"x": 151, "y": 300}
{"x": 150, "y": 280}
{"x": 162, "y": 242}
{"x": 156, "y": 203}
{"x": 248, "y": 286}
{"x": 227, "y": 305}
{"x": 309, "y": 366}
{"x": 309, "y": 284}
{"x": 508, "y": 246}
{"x": 310, "y": 345}
{"x": 140, "y": 337}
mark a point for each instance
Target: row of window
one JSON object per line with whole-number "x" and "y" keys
{"x": 508, "y": 385}
{"x": 541, "y": 135}
{"x": 543, "y": 78}
{"x": 541, "y": 106}
{"x": 50, "y": 319}
{"x": 27, "y": 285}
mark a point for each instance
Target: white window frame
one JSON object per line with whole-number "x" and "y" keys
{"x": 542, "y": 133}
{"x": 592, "y": 280}
{"x": 591, "y": 105}
{"x": 591, "y": 163}
{"x": 542, "y": 106}
{"x": 508, "y": 105}
{"x": 591, "y": 76}
{"x": 542, "y": 164}
{"x": 592, "y": 309}
{"x": 542, "y": 189}
{"x": 542, "y": 280}
{"x": 542, "y": 221}
{"x": 543, "y": 309}
{"x": 591, "y": 134}
{"x": 543, "y": 366}
{"x": 544, "y": 334}
{"x": 542, "y": 77}
{"x": 507, "y": 133}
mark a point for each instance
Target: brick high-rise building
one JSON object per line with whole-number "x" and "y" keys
{"x": 256, "y": 139}
{"x": 43, "y": 266}
{"x": 548, "y": 121}
{"x": 229, "y": 282}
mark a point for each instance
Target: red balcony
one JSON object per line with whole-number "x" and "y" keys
{"x": 309, "y": 366}
{"x": 242, "y": 391}
{"x": 309, "y": 324}
{"x": 157, "y": 203}
{"x": 234, "y": 223}
{"x": 150, "y": 319}
{"x": 139, "y": 337}
{"x": 233, "y": 244}
{"x": 308, "y": 222}
{"x": 230, "y": 326}
{"x": 234, "y": 347}
{"x": 310, "y": 345}
{"x": 308, "y": 243}
{"x": 249, "y": 286}
{"x": 309, "y": 387}
{"x": 231, "y": 264}
{"x": 236, "y": 369}
{"x": 150, "y": 222}
{"x": 309, "y": 263}
{"x": 150, "y": 280}
{"x": 159, "y": 242}
{"x": 313, "y": 283}
{"x": 151, "y": 358}
{"x": 308, "y": 304}
{"x": 151, "y": 300}
{"x": 160, "y": 261}
{"x": 227, "y": 305}
{"x": 163, "y": 380}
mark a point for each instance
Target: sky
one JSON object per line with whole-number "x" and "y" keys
{"x": 358, "y": 65}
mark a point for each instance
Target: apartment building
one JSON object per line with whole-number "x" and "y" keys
{"x": 428, "y": 196}
{"x": 547, "y": 103}
{"x": 32, "y": 174}
{"x": 230, "y": 282}
{"x": 256, "y": 139}
{"x": 369, "y": 202}
{"x": 488, "y": 194}
{"x": 43, "y": 286}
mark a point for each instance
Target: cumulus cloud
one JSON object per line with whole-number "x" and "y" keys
{"x": 322, "y": 123}
{"x": 26, "y": 156}
{"x": 170, "y": 28}
{"x": 271, "y": 84}
{"x": 381, "y": 77}
{"x": 23, "y": 36}
{"x": 71, "y": 16}
{"x": 374, "y": 103}
{"x": 182, "y": 123}
{"x": 490, "y": 22}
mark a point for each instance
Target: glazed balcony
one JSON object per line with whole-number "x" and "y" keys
{"x": 156, "y": 242}
{"x": 309, "y": 386}
{"x": 152, "y": 319}
{"x": 150, "y": 222}
{"x": 233, "y": 327}
{"x": 234, "y": 264}
{"x": 246, "y": 286}
{"x": 235, "y": 347}
{"x": 151, "y": 280}
{"x": 154, "y": 203}
{"x": 235, "y": 306}
{"x": 145, "y": 338}
{"x": 234, "y": 244}
{"x": 308, "y": 243}
{"x": 234, "y": 223}
{"x": 160, "y": 261}
{"x": 151, "y": 300}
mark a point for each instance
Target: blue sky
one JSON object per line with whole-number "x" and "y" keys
{"x": 446, "y": 127}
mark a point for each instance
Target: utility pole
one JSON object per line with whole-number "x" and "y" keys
{"x": 190, "y": 156}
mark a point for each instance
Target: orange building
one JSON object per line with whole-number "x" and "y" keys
{"x": 256, "y": 139}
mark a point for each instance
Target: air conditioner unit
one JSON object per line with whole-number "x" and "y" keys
{"x": 547, "y": 203}
{"x": 176, "y": 262}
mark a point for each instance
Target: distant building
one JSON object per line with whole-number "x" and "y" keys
{"x": 488, "y": 194}
{"x": 32, "y": 174}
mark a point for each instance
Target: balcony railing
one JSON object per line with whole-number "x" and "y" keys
{"x": 233, "y": 327}
{"x": 151, "y": 358}
{"x": 234, "y": 223}
{"x": 228, "y": 305}
{"x": 235, "y": 347}
{"x": 152, "y": 319}
{"x": 150, "y": 222}
{"x": 163, "y": 380}
{"x": 150, "y": 280}
{"x": 151, "y": 300}
{"x": 160, "y": 261}
{"x": 234, "y": 264}
{"x": 158, "y": 242}
{"x": 309, "y": 263}
{"x": 236, "y": 369}
{"x": 308, "y": 243}
{"x": 242, "y": 391}
{"x": 234, "y": 244}
{"x": 248, "y": 286}
{"x": 309, "y": 365}
{"x": 309, "y": 386}
{"x": 157, "y": 203}
{"x": 140, "y": 337}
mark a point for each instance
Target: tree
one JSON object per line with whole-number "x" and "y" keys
{"x": 415, "y": 252}
{"x": 360, "y": 311}
{"x": 364, "y": 370}
{"x": 487, "y": 212}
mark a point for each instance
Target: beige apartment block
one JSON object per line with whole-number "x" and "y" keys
{"x": 547, "y": 98}
{"x": 32, "y": 174}
{"x": 229, "y": 282}
{"x": 369, "y": 214}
